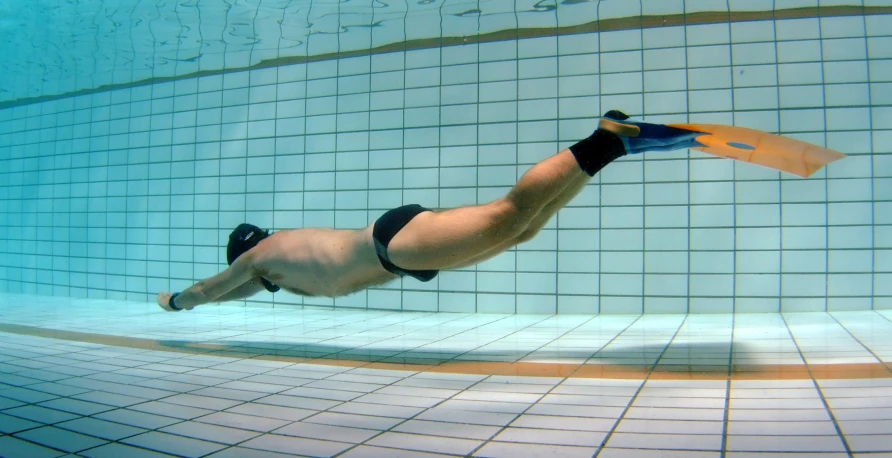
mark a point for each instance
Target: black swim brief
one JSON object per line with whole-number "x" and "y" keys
{"x": 386, "y": 227}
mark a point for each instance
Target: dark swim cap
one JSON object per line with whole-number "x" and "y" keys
{"x": 242, "y": 239}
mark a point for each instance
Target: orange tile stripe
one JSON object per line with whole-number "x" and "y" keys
{"x": 606, "y": 25}
{"x": 525, "y": 369}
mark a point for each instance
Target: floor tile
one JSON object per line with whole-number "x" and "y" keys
{"x": 786, "y": 455}
{"x": 361, "y": 408}
{"x": 327, "y": 432}
{"x": 10, "y": 424}
{"x": 40, "y": 414}
{"x": 6, "y": 403}
{"x": 655, "y": 413}
{"x": 785, "y": 443}
{"x": 464, "y": 416}
{"x": 280, "y": 413}
{"x": 633, "y": 453}
{"x": 224, "y": 393}
{"x": 354, "y": 421}
{"x": 172, "y": 444}
{"x": 508, "y": 450}
{"x": 112, "y": 399}
{"x": 665, "y": 441}
{"x": 551, "y": 437}
{"x": 17, "y": 448}
{"x": 484, "y": 406}
{"x": 298, "y": 402}
{"x": 778, "y": 415}
{"x": 784, "y": 428}
{"x": 100, "y": 428}
{"x": 201, "y": 402}
{"x": 296, "y": 445}
{"x": 426, "y": 443}
{"x": 209, "y": 432}
{"x": 255, "y": 386}
{"x": 870, "y": 443}
{"x": 322, "y": 393}
{"x": 856, "y": 427}
{"x": 240, "y": 452}
{"x": 138, "y": 419}
{"x": 115, "y": 450}
{"x": 27, "y": 395}
{"x": 405, "y": 401}
{"x": 863, "y": 414}
{"x": 247, "y": 422}
{"x": 367, "y": 451}
{"x": 170, "y": 410}
{"x": 58, "y": 389}
{"x": 76, "y": 406}
{"x": 456, "y": 430}
{"x": 670, "y": 427}
{"x": 61, "y": 439}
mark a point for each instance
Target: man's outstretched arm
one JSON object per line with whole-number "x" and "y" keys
{"x": 246, "y": 290}
{"x": 210, "y": 289}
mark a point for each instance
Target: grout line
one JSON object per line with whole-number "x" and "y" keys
{"x": 726, "y": 419}
{"x": 688, "y": 156}
{"x": 820, "y": 391}
{"x": 235, "y": 360}
{"x": 854, "y": 337}
{"x": 634, "y": 397}
{"x": 614, "y": 338}
{"x": 826, "y": 180}
{"x": 873, "y": 177}
{"x": 482, "y": 380}
{"x": 883, "y": 316}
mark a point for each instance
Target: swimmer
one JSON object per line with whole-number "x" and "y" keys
{"x": 418, "y": 242}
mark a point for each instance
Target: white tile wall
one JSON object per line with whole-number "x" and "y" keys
{"x": 125, "y": 193}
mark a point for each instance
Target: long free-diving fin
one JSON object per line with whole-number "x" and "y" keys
{"x": 772, "y": 151}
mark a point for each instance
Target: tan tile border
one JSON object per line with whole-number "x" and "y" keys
{"x": 606, "y": 25}
{"x": 525, "y": 369}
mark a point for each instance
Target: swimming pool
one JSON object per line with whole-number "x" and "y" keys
{"x": 135, "y": 135}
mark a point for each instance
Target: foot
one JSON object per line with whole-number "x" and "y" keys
{"x": 639, "y": 137}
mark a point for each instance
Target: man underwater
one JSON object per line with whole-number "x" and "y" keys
{"x": 419, "y": 242}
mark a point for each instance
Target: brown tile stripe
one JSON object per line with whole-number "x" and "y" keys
{"x": 526, "y": 369}
{"x": 606, "y": 25}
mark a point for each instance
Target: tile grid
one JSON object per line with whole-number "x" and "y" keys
{"x": 238, "y": 444}
{"x": 833, "y": 419}
{"x": 634, "y": 396}
{"x": 676, "y": 333}
{"x": 483, "y": 446}
{"x": 482, "y": 380}
{"x": 733, "y": 279}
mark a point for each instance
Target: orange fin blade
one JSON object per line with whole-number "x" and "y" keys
{"x": 772, "y": 151}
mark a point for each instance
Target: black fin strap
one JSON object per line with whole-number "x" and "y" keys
{"x": 598, "y": 150}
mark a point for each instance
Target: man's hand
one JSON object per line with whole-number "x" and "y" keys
{"x": 164, "y": 302}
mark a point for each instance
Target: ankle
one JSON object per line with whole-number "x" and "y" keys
{"x": 599, "y": 149}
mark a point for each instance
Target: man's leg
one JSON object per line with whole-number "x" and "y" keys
{"x": 453, "y": 238}
{"x": 457, "y": 237}
{"x": 572, "y": 190}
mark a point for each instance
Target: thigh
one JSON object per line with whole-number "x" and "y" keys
{"x": 443, "y": 240}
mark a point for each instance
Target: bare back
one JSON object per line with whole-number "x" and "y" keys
{"x": 321, "y": 262}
